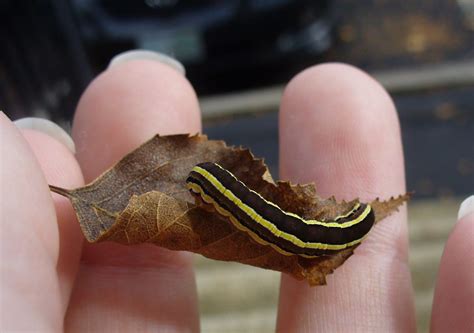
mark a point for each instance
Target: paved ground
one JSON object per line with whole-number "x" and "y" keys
{"x": 239, "y": 298}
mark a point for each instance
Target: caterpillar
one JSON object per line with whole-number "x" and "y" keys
{"x": 268, "y": 224}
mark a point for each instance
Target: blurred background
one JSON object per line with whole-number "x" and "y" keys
{"x": 238, "y": 55}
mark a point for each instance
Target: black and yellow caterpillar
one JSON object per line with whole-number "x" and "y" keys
{"x": 268, "y": 224}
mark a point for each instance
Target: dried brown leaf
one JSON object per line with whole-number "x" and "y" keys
{"x": 143, "y": 199}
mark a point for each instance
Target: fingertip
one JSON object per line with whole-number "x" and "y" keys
{"x": 48, "y": 127}
{"x": 326, "y": 73}
{"x": 337, "y": 87}
{"x": 128, "y": 104}
{"x": 57, "y": 162}
{"x": 466, "y": 207}
{"x": 335, "y": 80}
{"x": 337, "y": 120}
{"x": 139, "y": 54}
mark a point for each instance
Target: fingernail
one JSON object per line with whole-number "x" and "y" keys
{"x": 47, "y": 127}
{"x": 466, "y": 207}
{"x": 147, "y": 55}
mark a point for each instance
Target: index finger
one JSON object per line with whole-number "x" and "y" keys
{"x": 339, "y": 128}
{"x": 132, "y": 288}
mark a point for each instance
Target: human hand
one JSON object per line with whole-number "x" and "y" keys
{"x": 47, "y": 284}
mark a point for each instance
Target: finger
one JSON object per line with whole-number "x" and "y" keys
{"x": 130, "y": 288}
{"x": 60, "y": 168}
{"x": 32, "y": 295}
{"x": 127, "y": 105}
{"x": 453, "y": 303}
{"x": 339, "y": 128}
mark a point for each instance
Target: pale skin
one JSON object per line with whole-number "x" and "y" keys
{"x": 338, "y": 128}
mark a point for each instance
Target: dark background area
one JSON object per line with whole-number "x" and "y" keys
{"x": 52, "y": 49}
